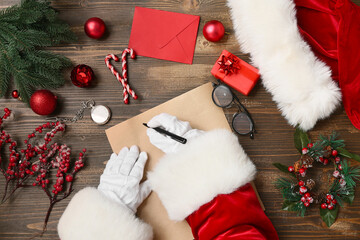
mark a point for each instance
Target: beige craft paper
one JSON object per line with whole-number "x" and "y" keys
{"x": 195, "y": 106}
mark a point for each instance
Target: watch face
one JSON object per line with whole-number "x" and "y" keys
{"x": 100, "y": 114}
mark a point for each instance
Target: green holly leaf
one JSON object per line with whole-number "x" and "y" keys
{"x": 289, "y": 206}
{"x": 301, "y": 139}
{"x": 348, "y": 198}
{"x": 283, "y": 168}
{"x": 329, "y": 216}
{"x": 345, "y": 153}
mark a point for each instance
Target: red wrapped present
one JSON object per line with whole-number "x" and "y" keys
{"x": 235, "y": 72}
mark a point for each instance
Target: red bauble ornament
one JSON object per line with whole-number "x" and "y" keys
{"x": 82, "y": 76}
{"x": 214, "y": 31}
{"x": 324, "y": 206}
{"x": 15, "y": 94}
{"x": 291, "y": 169}
{"x": 95, "y": 28}
{"x": 43, "y": 102}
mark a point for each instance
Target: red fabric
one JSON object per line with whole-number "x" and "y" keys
{"x": 332, "y": 28}
{"x": 233, "y": 216}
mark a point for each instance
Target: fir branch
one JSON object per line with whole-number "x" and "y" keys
{"x": 24, "y": 30}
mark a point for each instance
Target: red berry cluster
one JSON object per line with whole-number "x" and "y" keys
{"x": 330, "y": 202}
{"x": 307, "y": 199}
{"x": 38, "y": 158}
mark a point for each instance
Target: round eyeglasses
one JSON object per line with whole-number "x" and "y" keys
{"x": 242, "y": 122}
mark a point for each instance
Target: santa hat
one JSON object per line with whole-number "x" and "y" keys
{"x": 332, "y": 28}
{"x": 300, "y": 84}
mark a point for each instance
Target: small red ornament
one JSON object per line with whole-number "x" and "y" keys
{"x": 291, "y": 169}
{"x": 334, "y": 153}
{"x": 334, "y": 202}
{"x": 43, "y": 102}
{"x": 310, "y": 145}
{"x": 305, "y": 151}
{"x": 306, "y": 204}
{"x": 330, "y": 207}
{"x": 337, "y": 160}
{"x": 69, "y": 178}
{"x": 329, "y": 197}
{"x": 82, "y": 76}
{"x": 324, "y": 206}
{"x": 326, "y": 161}
{"x": 15, "y": 94}
{"x": 95, "y": 28}
{"x": 302, "y": 172}
{"x": 301, "y": 183}
{"x": 214, "y": 31}
{"x": 307, "y": 195}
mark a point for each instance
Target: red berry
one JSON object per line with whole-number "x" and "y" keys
{"x": 326, "y": 161}
{"x": 334, "y": 201}
{"x": 303, "y": 190}
{"x": 305, "y": 151}
{"x": 6, "y": 110}
{"x": 69, "y": 178}
{"x": 329, "y": 197}
{"x": 301, "y": 183}
{"x": 330, "y": 207}
{"x": 334, "y": 153}
{"x": 340, "y": 167}
{"x": 307, "y": 195}
{"x": 306, "y": 204}
{"x": 337, "y": 160}
{"x": 321, "y": 159}
{"x": 291, "y": 169}
{"x": 303, "y": 199}
{"x": 324, "y": 206}
{"x": 302, "y": 172}
{"x": 310, "y": 145}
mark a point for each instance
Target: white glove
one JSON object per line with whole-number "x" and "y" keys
{"x": 173, "y": 125}
{"x": 121, "y": 178}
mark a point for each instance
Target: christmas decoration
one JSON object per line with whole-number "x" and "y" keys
{"x": 25, "y": 30}
{"x": 124, "y": 79}
{"x": 37, "y": 161}
{"x": 299, "y": 193}
{"x": 95, "y": 28}
{"x": 213, "y": 31}
{"x": 235, "y": 72}
{"x": 82, "y": 76}
{"x": 15, "y": 94}
{"x": 43, "y": 102}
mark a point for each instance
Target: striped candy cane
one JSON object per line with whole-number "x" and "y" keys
{"x": 123, "y": 80}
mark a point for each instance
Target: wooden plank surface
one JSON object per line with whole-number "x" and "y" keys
{"x": 157, "y": 81}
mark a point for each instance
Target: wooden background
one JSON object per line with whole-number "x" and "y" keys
{"x": 157, "y": 81}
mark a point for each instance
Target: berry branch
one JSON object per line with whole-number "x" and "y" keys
{"x": 40, "y": 158}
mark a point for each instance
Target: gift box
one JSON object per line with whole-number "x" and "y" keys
{"x": 235, "y": 72}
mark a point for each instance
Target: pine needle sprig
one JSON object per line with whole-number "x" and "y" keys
{"x": 331, "y": 141}
{"x": 25, "y": 30}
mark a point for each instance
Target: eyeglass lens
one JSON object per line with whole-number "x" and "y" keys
{"x": 222, "y": 96}
{"x": 242, "y": 123}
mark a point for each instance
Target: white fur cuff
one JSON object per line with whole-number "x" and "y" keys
{"x": 211, "y": 164}
{"x": 92, "y": 216}
{"x": 300, "y": 84}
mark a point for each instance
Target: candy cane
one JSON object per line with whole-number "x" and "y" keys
{"x": 122, "y": 80}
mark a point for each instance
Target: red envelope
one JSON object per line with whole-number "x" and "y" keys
{"x": 164, "y": 35}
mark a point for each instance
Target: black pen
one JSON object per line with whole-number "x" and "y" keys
{"x": 173, "y": 136}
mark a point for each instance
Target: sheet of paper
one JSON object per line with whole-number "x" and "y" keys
{"x": 195, "y": 106}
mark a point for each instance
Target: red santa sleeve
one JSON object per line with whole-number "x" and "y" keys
{"x": 92, "y": 216}
{"x": 206, "y": 183}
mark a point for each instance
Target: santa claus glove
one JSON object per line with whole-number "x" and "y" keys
{"x": 172, "y": 124}
{"x": 121, "y": 178}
